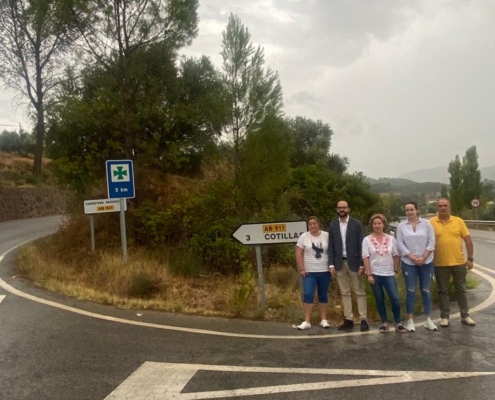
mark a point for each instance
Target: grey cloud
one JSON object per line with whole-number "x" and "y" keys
{"x": 304, "y": 98}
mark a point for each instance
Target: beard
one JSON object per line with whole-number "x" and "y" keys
{"x": 343, "y": 214}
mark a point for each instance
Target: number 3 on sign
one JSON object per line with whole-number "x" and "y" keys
{"x": 248, "y": 238}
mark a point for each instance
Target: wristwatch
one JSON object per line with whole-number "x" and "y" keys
{"x": 471, "y": 259}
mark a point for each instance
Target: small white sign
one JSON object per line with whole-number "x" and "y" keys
{"x": 103, "y": 206}
{"x": 475, "y": 203}
{"x": 270, "y": 232}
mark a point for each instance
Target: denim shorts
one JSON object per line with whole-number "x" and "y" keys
{"x": 313, "y": 280}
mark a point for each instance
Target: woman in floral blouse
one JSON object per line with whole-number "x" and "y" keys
{"x": 381, "y": 261}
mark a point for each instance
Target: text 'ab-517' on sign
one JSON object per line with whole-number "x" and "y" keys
{"x": 102, "y": 206}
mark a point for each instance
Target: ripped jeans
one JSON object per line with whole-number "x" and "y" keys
{"x": 411, "y": 274}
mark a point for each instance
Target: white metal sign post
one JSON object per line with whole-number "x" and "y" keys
{"x": 256, "y": 234}
{"x": 120, "y": 185}
{"x": 92, "y": 207}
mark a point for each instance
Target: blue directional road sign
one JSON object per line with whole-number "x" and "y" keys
{"x": 120, "y": 179}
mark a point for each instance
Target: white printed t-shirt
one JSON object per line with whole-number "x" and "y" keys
{"x": 381, "y": 254}
{"x": 308, "y": 243}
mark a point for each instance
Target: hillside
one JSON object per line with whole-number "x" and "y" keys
{"x": 441, "y": 174}
{"x": 16, "y": 170}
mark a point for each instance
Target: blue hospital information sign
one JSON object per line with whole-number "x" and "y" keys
{"x": 120, "y": 179}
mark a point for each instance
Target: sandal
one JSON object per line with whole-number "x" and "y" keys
{"x": 400, "y": 328}
{"x": 383, "y": 329}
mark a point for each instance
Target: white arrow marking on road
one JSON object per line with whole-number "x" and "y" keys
{"x": 2, "y": 297}
{"x": 164, "y": 381}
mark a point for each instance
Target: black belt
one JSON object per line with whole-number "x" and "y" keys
{"x": 344, "y": 258}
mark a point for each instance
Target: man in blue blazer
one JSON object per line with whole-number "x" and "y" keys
{"x": 346, "y": 236}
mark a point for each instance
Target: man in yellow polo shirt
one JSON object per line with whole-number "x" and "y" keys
{"x": 449, "y": 260}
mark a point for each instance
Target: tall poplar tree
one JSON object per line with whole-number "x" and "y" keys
{"x": 444, "y": 192}
{"x": 456, "y": 197}
{"x": 471, "y": 176}
{"x": 254, "y": 92}
{"x": 465, "y": 180}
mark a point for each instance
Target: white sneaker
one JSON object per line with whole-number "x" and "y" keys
{"x": 430, "y": 325}
{"x": 410, "y": 326}
{"x": 324, "y": 324}
{"x": 444, "y": 322}
{"x": 468, "y": 321}
{"x": 304, "y": 325}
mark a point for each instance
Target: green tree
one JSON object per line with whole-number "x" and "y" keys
{"x": 265, "y": 169}
{"x": 35, "y": 37}
{"x": 17, "y": 142}
{"x": 311, "y": 141}
{"x": 471, "y": 176}
{"x": 9, "y": 141}
{"x": 338, "y": 163}
{"x": 455, "y": 193}
{"x": 179, "y": 113}
{"x": 489, "y": 189}
{"x": 393, "y": 207}
{"x": 254, "y": 92}
{"x": 316, "y": 189}
{"x": 122, "y": 37}
{"x": 444, "y": 192}
{"x": 363, "y": 201}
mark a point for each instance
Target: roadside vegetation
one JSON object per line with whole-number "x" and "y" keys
{"x": 212, "y": 149}
{"x": 150, "y": 280}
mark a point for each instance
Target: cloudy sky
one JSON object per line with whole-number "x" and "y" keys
{"x": 404, "y": 84}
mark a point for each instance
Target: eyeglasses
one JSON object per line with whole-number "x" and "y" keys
{"x": 342, "y": 208}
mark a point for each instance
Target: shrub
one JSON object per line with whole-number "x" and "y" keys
{"x": 142, "y": 286}
{"x": 244, "y": 290}
{"x": 204, "y": 217}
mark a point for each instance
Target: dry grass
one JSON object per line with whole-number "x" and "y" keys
{"x": 146, "y": 281}
{"x": 17, "y": 170}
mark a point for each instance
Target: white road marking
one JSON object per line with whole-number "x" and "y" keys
{"x": 2, "y": 297}
{"x": 488, "y": 302}
{"x": 164, "y": 381}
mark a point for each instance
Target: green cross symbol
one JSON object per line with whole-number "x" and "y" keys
{"x": 120, "y": 173}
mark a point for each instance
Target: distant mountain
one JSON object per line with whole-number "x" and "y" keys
{"x": 436, "y": 174}
{"x": 404, "y": 186}
{"x": 441, "y": 174}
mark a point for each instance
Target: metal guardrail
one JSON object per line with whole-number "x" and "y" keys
{"x": 479, "y": 222}
{"x": 480, "y": 225}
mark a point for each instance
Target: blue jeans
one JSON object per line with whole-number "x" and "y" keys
{"x": 311, "y": 282}
{"x": 390, "y": 285}
{"x": 411, "y": 274}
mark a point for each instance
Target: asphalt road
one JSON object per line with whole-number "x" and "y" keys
{"x": 89, "y": 351}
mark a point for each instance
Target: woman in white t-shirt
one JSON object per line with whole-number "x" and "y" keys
{"x": 312, "y": 261}
{"x": 381, "y": 261}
